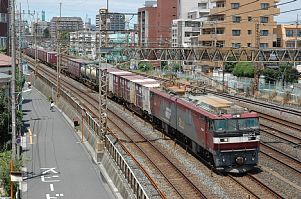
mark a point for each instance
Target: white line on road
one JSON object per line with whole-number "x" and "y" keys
{"x": 51, "y": 187}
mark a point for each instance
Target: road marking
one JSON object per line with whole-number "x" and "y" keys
{"x": 51, "y": 187}
{"x": 30, "y": 136}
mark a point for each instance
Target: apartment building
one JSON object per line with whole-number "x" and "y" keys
{"x": 84, "y": 43}
{"x": 288, "y": 36}
{"x": 115, "y": 21}
{"x": 192, "y": 13}
{"x": 3, "y": 24}
{"x": 236, "y": 24}
{"x": 147, "y": 25}
{"x": 65, "y": 24}
{"x": 155, "y": 23}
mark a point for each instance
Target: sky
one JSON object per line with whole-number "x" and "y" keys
{"x": 89, "y": 8}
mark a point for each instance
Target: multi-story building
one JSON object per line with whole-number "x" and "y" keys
{"x": 115, "y": 21}
{"x": 3, "y": 24}
{"x": 155, "y": 23}
{"x": 288, "y": 36}
{"x": 40, "y": 27}
{"x": 147, "y": 25}
{"x": 84, "y": 43}
{"x": 65, "y": 24}
{"x": 183, "y": 30}
{"x": 233, "y": 23}
{"x": 191, "y": 13}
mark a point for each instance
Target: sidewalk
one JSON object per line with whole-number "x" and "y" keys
{"x": 57, "y": 165}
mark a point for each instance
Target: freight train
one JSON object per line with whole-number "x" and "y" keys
{"x": 224, "y": 134}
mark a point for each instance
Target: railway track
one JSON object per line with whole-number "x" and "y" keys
{"x": 181, "y": 185}
{"x": 178, "y": 189}
{"x": 285, "y": 123}
{"x": 255, "y": 186}
{"x": 291, "y": 162}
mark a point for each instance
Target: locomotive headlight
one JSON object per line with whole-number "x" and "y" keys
{"x": 224, "y": 139}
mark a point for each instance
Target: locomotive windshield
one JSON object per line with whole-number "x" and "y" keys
{"x": 235, "y": 124}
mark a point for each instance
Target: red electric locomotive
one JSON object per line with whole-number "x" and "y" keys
{"x": 225, "y": 134}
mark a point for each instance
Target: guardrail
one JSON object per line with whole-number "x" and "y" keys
{"x": 134, "y": 183}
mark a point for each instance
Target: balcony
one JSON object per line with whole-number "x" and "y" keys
{"x": 218, "y": 10}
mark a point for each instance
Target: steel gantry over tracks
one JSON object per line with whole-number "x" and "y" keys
{"x": 214, "y": 54}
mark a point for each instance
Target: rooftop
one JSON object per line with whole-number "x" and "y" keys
{"x": 5, "y": 60}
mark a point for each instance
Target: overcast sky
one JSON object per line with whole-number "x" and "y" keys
{"x": 83, "y": 8}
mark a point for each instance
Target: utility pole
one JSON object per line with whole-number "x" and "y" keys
{"x": 20, "y": 47}
{"x": 296, "y": 36}
{"x": 13, "y": 80}
{"x": 102, "y": 82}
{"x": 36, "y": 47}
{"x": 58, "y": 66}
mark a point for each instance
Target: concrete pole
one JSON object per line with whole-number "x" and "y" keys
{"x": 19, "y": 76}
{"x": 13, "y": 80}
{"x": 20, "y": 47}
{"x": 36, "y": 49}
{"x": 58, "y": 66}
{"x": 296, "y": 36}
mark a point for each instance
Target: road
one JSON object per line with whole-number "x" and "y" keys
{"x": 57, "y": 165}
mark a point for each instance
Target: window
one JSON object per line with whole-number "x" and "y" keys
{"x": 236, "y": 45}
{"x": 3, "y": 17}
{"x": 249, "y": 18}
{"x": 225, "y": 125}
{"x": 265, "y": 6}
{"x": 290, "y": 44}
{"x": 249, "y": 123}
{"x": 236, "y": 19}
{"x": 249, "y": 44}
{"x": 219, "y": 31}
{"x": 289, "y": 33}
{"x": 264, "y": 45}
{"x": 299, "y": 33}
{"x": 235, "y": 5}
{"x": 264, "y": 19}
{"x": 249, "y": 32}
{"x": 235, "y": 32}
{"x": 3, "y": 41}
{"x": 264, "y": 33}
{"x": 202, "y": 5}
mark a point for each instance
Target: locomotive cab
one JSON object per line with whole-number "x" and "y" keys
{"x": 235, "y": 142}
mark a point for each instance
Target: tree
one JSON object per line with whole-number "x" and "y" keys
{"x": 285, "y": 73}
{"x": 64, "y": 35}
{"x": 243, "y": 69}
{"x": 176, "y": 67}
{"x": 5, "y": 119}
{"x": 270, "y": 74}
{"x": 46, "y": 33}
{"x": 229, "y": 66}
{"x": 288, "y": 74}
{"x": 145, "y": 66}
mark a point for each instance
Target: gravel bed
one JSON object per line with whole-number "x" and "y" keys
{"x": 215, "y": 186}
{"x": 286, "y": 116}
{"x": 281, "y": 145}
{"x": 280, "y": 127}
{"x": 289, "y": 175}
{"x": 282, "y": 187}
{"x": 143, "y": 180}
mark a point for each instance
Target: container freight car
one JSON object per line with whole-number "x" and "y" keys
{"x": 225, "y": 134}
{"x": 73, "y": 67}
